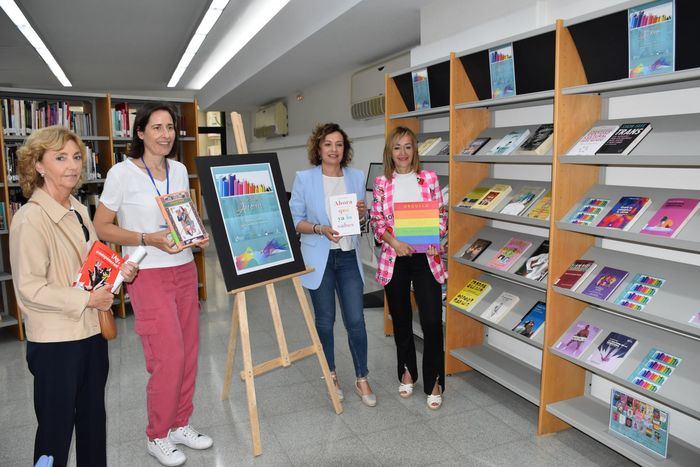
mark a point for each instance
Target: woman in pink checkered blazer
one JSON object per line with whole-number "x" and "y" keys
{"x": 400, "y": 265}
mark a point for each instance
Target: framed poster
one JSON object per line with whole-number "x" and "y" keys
{"x": 639, "y": 421}
{"x": 250, "y": 218}
{"x": 651, "y": 30}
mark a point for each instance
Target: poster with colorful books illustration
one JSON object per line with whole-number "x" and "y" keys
{"x": 671, "y": 217}
{"x": 612, "y": 352}
{"x": 421, "y": 90}
{"x": 418, "y": 224}
{"x": 639, "y": 421}
{"x": 577, "y": 339}
{"x": 509, "y": 254}
{"x": 640, "y": 291}
{"x": 625, "y": 212}
{"x": 502, "y": 69}
{"x": 654, "y": 370}
{"x": 605, "y": 283}
{"x": 588, "y": 210}
{"x": 532, "y": 322}
{"x": 651, "y": 38}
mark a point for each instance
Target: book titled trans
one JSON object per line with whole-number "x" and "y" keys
{"x": 651, "y": 38}
{"x": 502, "y": 69}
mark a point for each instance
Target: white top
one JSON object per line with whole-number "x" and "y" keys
{"x": 406, "y": 188}
{"x": 333, "y": 186}
{"x": 129, "y": 192}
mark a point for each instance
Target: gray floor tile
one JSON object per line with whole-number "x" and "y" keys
{"x": 473, "y": 431}
{"x": 314, "y": 426}
{"x": 387, "y": 414}
{"x": 347, "y": 451}
{"x": 408, "y": 444}
{"x": 520, "y": 453}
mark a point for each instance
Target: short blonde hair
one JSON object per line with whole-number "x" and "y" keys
{"x": 391, "y": 139}
{"x": 51, "y": 138}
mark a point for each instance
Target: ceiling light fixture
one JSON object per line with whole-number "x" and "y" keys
{"x": 28, "y": 31}
{"x": 247, "y": 25}
{"x": 208, "y": 21}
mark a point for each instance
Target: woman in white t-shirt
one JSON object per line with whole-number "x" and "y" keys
{"x": 164, "y": 294}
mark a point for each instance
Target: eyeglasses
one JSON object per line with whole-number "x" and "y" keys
{"x": 86, "y": 232}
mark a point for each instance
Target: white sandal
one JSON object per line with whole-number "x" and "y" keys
{"x": 370, "y": 400}
{"x": 406, "y": 390}
{"x": 434, "y": 401}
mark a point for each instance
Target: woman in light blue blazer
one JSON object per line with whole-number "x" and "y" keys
{"x": 335, "y": 258}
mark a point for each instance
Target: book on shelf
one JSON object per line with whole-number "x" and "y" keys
{"x": 180, "y": 213}
{"x": 532, "y": 322}
{"x": 506, "y": 257}
{"x": 523, "y": 199}
{"x": 577, "y": 339}
{"x": 100, "y": 268}
{"x": 427, "y": 145}
{"x": 471, "y": 294}
{"x": 536, "y": 266}
{"x": 539, "y": 143}
{"x": 474, "y": 147}
{"x": 640, "y": 422}
{"x": 23, "y": 116}
{"x": 471, "y": 198}
{"x": 625, "y": 139}
{"x": 502, "y": 71}
{"x": 3, "y": 216}
{"x": 418, "y": 224}
{"x": 651, "y": 39}
{"x": 475, "y": 249}
{"x": 588, "y": 210}
{"x": 442, "y": 148}
{"x": 695, "y": 320}
{"x": 542, "y": 208}
{"x": 344, "y": 216}
{"x": 594, "y": 138}
{"x": 605, "y": 283}
{"x": 610, "y": 353}
{"x": 640, "y": 291}
{"x": 576, "y": 274}
{"x": 625, "y": 212}
{"x": 671, "y": 217}
{"x": 654, "y": 370}
{"x": 421, "y": 89}
{"x": 510, "y": 142}
{"x": 500, "y": 307}
{"x": 493, "y": 197}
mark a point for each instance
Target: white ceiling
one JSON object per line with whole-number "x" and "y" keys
{"x": 134, "y": 45}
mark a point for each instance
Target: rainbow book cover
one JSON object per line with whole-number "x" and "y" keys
{"x": 640, "y": 291}
{"x": 418, "y": 224}
{"x": 654, "y": 370}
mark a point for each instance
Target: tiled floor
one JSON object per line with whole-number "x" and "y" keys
{"x": 480, "y": 423}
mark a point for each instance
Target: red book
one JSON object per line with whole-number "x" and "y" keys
{"x": 99, "y": 269}
{"x": 575, "y": 274}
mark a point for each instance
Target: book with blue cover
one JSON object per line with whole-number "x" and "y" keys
{"x": 532, "y": 322}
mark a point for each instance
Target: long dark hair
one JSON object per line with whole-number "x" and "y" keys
{"x": 140, "y": 122}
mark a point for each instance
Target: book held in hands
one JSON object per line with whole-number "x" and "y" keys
{"x": 344, "y": 216}
{"x": 418, "y": 224}
{"x": 183, "y": 220}
{"x": 100, "y": 268}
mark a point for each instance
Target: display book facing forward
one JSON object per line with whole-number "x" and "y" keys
{"x": 536, "y": 267}
{"x": 507, "y": 256}
{"x": 510, "y": 142}
{"x": 523, "y": 199}
{"x": 471, "y": 294}
{"x": 610, "y": 139}
{"x": 671, "y": 217}
{"x": 539, "y": 143}
{"x": 492, "y": 197}
{"x": 532, "y": 322}
{"x": 625, "y": 212}
{"x": 180, "y": 213}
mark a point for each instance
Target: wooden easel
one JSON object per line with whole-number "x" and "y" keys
{"x": 239, "y": 322}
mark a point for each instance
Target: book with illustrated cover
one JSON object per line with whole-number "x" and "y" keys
{"x": 640, "y": 422}
{"x": 625, "y": 213}
{"x": 475, "y": 145}
{"x": 651, "y": 38}
{"x": 536, "y": 266}
{"x": 671, "y": 217}
{"x": 100, "y": 268}
{"x": 523, "y": 199}
{"x": 653, "y": 371}
{"x": 444, "y": 150}
{"x": 588, "y": 210}
{"x": 594, "y": 138}
{"x": 473, "y": 196}
{"x": 509, "y": 254}
{"x": 418, "y": 224}
{"x": 428, "y": 145}
{"x": 493, "y": 197}
{"x": 605, "y": 283}
{"x": 470, "y": 295}
{"x": 500, "y": 306}
{"x": 421, "y": 89}
{"x": 510, "y": 142}
{"x": 475, "y": 249}
{"x": 344, "y": 216}
{"x": 502, "y": 71}
{"x": 532, "y": 322}
{"x": 610, "y": 354}
{"x": 542, "y": 208}
{"x": 539, "y": 143}
{"x": 180, "y": 213}
{"x": 576, "y": 274}
{"x": 640, "y": 291}
{"x": 625, "y": 139}
{"x": 577, "y": 339}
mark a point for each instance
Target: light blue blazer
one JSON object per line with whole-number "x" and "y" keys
{"x": 308, "y": 204}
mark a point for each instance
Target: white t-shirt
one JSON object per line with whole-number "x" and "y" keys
{"x": 129, "y": 192}
{"x": 406, "y": 188}
{"x": 334, "y": 186}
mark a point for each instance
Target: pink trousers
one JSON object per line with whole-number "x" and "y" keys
{"x": 166, "y": 308}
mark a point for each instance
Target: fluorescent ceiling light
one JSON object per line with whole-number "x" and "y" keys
{"x": 25, "y": 28}
{"x": 208, "y": 21}
{"x": 247, "y": 25}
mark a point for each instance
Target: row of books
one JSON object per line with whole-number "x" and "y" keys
{"x": 434, "y": 146}
{"x": 517, "y": 142}
{"x": 91, "y": 163}
{"x": 536, "y": 267}
{"x": 530, "y": 201}
{"x": 123, "y": 116}
{"x": 21, "y": 116}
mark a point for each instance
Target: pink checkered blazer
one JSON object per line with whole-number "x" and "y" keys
{"x": 382, "y": 220}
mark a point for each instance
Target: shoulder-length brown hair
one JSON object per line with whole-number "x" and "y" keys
{"x": 50, "y": 138}
{"x": 391, "y": 139}
{"x": 313, "y": 146}
{"x": 143, "y": 115}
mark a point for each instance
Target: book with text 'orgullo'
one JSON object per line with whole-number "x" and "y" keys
{"x": 577, "y": 339}
{"x": 510, "y": 142}
{"x": 507, "y": 256}
{"x": 625, "y": 139}
{"x": 539, "y": 143}
{"x": 594, "y": 138}
{"x": 475, "y": 145}
{"x": 610, "y": 354}
{"x": 605, "y": 283}
{"x": 575, "y": 274}
{"x": 625, "y": 213}
{"x": 532, "y": 322}
{"x": 100, "y": 268}
{"x": 493, "y": 197}
{"x": 671, "y": 217}
{"x": 471, "y": 294}
{"x": 500, "y": 306}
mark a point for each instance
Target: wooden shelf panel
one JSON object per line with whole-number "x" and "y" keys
{"x": 682, "y": 387}
{"x": 511, "y": 373}
{"x": 591, "y": 417}
{"x": 687, "y": 239}
{"x": 628, "y": 86}
{"x": 535, "y": 98}
{"x": 428, "y": 113}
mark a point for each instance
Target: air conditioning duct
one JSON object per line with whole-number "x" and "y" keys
{"x": 271, "y": 121}
{"x": 367, "y": 87}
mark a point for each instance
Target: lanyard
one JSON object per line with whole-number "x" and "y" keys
{"x": 167, "y": 177}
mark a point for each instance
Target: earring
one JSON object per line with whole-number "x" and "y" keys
{"x": 42, "y": 174}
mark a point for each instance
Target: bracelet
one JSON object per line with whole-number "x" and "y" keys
{"x": 313, "y": 229}
{"x": 320, "y": 230}
{"x": 143, "y": 239}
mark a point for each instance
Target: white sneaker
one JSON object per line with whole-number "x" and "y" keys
{"x": 166, "y": 453}
{"x": 190, "y": 437}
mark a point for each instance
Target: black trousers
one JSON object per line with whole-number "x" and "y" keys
{"x": 69, "y": 391}
{"x": 428, "y": 294}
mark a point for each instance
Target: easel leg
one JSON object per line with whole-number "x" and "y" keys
{"x": 248, "y": 369}
{"x": 277, "y": 320}
{"x": 232, "y": 340}
{"x": 306, "y": 311}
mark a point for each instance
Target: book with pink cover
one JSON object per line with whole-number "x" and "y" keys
{"x": 578, "y": 339}
{"x": 509, "y": 254}
{"x": 671, "y": 217}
